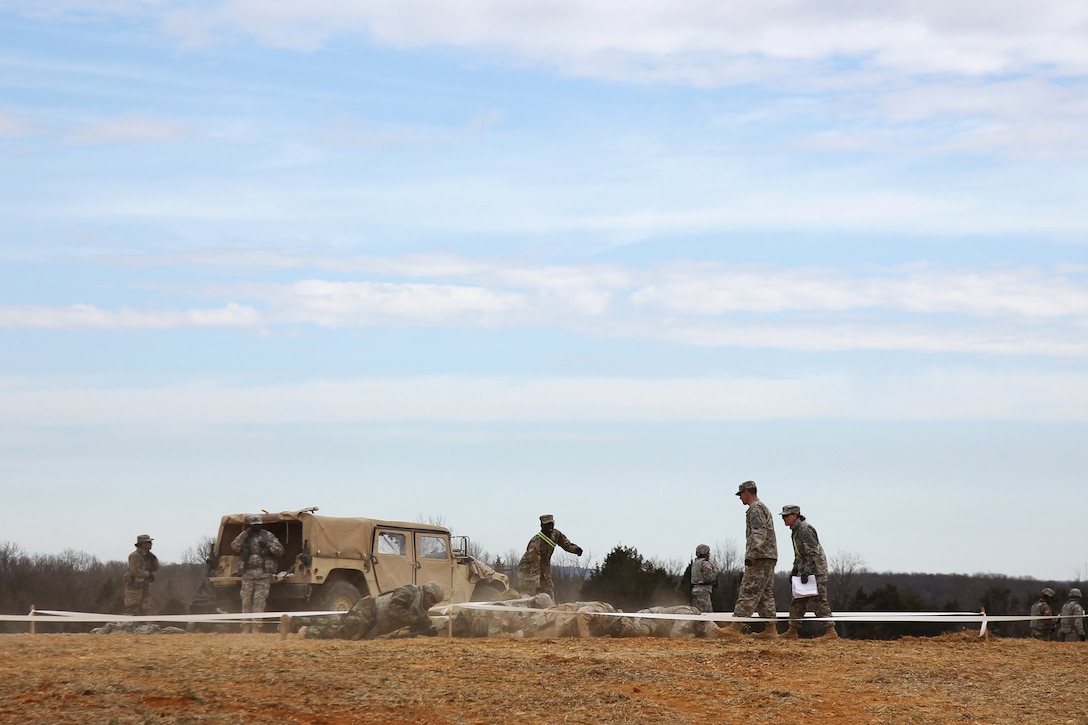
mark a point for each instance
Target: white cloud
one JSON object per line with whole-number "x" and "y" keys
{"x": 928, "y": 395}
{"x": 132, "y": 129}
{"x": 89, "y": 317}
{"x": 691, "y": 40}
{"x": 12, "y": 125}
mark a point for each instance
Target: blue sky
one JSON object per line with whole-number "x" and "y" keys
{"x": 481, "y": 261}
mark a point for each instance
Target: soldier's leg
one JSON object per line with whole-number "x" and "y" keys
{"x": 132, "y": 600}
{"x": 701, "y": 601}
{"x": 145, "y": 600}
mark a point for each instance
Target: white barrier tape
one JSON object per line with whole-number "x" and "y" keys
{"x": 48, "y": 616}
{"x": 53, "y": 616}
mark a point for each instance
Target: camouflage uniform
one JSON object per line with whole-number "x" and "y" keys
{"x": 142, "y": 565}
{"x": 260, "y": 552}
{"x": 760, "y": 557}
{"x": 580, "y": 619}
{"x": 703, "y": 577}
{"x": 1071, "y": 628}
{"x": 655, "y": 627}
{"x": 372, "y": 617}
{"x": 535, "y": 567}
{"x": 1042, "y": 628}
{"x": 808, "y": 560}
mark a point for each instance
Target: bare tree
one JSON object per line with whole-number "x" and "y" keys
{"x": 198, "y": 553}
{"x": 844, "y": 571}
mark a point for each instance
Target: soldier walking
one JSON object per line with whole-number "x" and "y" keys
{"x": 809, "y": 560}
{"x": 760, "y": 557}
{"x": 1072, "y": 627}
{"x": 1042, "y": 628}
{"x": 142, "y": 565}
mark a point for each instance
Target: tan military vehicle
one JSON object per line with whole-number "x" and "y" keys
{"x": 330, "y": 562}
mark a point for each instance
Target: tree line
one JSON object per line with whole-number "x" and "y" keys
{"x": 75, "y": 581}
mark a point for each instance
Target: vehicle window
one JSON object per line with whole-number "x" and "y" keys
{"x": 432, "y": 547}
{"x": 391, "y": 543}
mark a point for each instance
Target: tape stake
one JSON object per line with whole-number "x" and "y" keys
{"x": 982, "y": 629}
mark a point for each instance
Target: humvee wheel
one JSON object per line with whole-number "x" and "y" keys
{"x": 338, "y": 596}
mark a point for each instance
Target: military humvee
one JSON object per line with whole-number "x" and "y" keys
{"x": 329, "y": 563}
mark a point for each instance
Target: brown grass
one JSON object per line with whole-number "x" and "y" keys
{"x": 232, "y": 678}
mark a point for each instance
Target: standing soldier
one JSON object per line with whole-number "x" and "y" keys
{"x": 704, "y": 575}
{"x": 535, "y": 567}
{"x": 760, "y": 556}
{"x": 1042, "y": 628}
{"x": 260, "y": 552}
{"x": 142, "y": 565}
{"x": 808, "y": 560}
{"x": 1072, "y": 626}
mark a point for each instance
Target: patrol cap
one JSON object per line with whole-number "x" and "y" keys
{"x": 746, "y": 486}
{"x": 435, "y": 590}
{"x": 702, "y": 550}
{"x": 143, "y": 539}
{"x": 1074, "y": 592}
{"x": 547, "y": 519}
{"x": 1048, "y": 592}
{"x": 254, "y": 519}
{"x": 790, "y": 510}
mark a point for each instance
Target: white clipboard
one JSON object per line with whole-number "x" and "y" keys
{"x": 804, "y": 590}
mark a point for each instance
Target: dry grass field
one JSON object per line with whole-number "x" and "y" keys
{"x": 235, "y": 678}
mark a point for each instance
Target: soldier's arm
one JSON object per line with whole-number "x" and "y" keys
{"x": 274, "y": 545}
{"x": 236, "y": 545}
{"x": 561, "y": 540}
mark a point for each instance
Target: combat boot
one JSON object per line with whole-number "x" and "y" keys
{"x": 790, "y": 633}
{"x": 770, "y": 631}
{"x": 285, "y": 625}
{"x": 830, "y": 633}
{"x": 245, "y": 628}
{"x": 733, "y": 630}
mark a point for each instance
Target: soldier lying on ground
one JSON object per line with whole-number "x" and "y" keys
{"x": 655, "y": 627}
{"x": 371, "y": 617}
{"x": 485, "y": 622}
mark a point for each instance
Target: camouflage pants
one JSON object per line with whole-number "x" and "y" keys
{"x": 531, "y": 585}
{"x": 137, "y": 599}
{"x": 757, "y": 590}
{"x": 818, "y": 602}
{"x": 255, "y": 592}
{"x": 700, "y": 598}
{"x": 356, "y": 623}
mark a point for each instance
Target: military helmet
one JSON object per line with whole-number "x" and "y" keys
{"x": 543, "y": 601}
{"x": 1074, "y": 592}
{"x": 1048, "y": 592}
{"x": 435, "y": 590}
{"x": 702, "y": 550}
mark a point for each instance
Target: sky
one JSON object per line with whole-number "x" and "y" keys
{"x": 474, "y": 262}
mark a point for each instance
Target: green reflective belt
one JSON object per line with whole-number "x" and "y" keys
{"x": 546, "y": 539}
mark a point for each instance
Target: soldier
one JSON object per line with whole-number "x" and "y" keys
{"x": 1042, "y": 628}
{"x": 808, "y": 561}
{"x": 704, "y": 575}
{"x": 142, "y": 565}
{"x": 1071, "y": 628}
{"x": 371, "y": 617}
{"x": 535, "y": 567}
{"x": 260, "y": 552}
{"x": 571, "y": 619}
{"x": 659, "y": 626}
{"x": 760, "y": 556}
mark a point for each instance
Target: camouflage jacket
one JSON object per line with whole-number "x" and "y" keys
{"x": 808, "y": 555}
{"x": 1072, "y": 617}
{"x": 759, "y": 539}
{"x": 1041, "y": 608}
{"x": 703, "y": 573}
{"x": 402, "y": 607}
{"x": 537, "y": 559}
{"x": 141, "y": 565}
{"x": 260, "y": 551}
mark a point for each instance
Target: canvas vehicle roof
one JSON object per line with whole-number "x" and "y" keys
{"x": 350, "y": 537}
